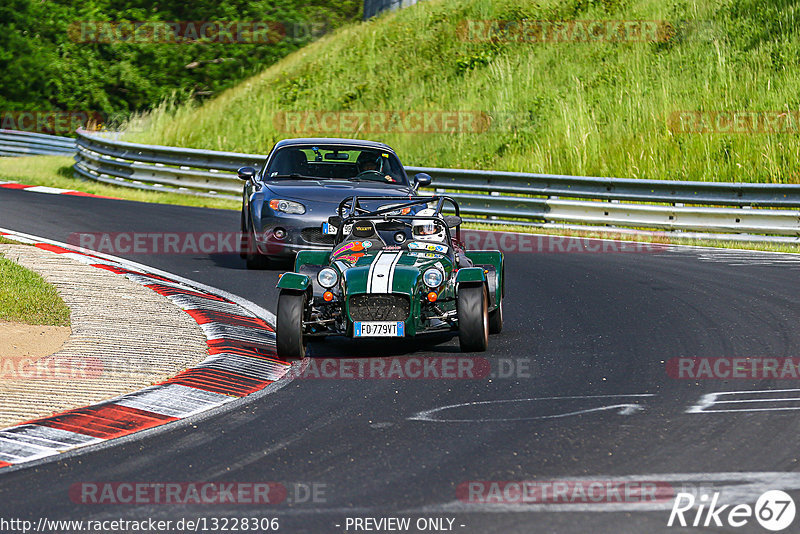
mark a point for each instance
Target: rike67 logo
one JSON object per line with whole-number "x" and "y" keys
{"x": 774, "y": 510}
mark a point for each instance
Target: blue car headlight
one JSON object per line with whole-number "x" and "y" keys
{"x": 287, "y": 206}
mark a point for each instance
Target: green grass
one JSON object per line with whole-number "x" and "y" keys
{"x": 56, "y": 171}
{"x": 26, "y": 298}
{"x": 593, "y": 108}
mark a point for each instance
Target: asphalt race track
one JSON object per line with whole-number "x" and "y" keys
{"x": 587, "y": 336}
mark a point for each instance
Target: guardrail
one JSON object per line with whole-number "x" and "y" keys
{"x": 162, "y": 168}
{"x": 375, "y": 7}
{"x": 490, "y": 196}
{"x": 15, "y": 143}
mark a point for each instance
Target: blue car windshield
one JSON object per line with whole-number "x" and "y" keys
{"x": 331, "y": 162}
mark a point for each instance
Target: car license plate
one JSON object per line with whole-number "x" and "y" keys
{"x": 329, "y": 229}
{"x": 379, "y": 329}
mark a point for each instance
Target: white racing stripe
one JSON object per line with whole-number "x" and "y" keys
{"x": 381, "y": 272}
{"x": 372, "y": 271}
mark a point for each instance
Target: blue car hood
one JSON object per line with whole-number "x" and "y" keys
{"x": 333, "y": 191}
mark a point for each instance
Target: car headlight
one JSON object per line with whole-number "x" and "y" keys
{"x": 287, "y": 206}
{"x": 433, "y": 277}
{"x": 327, "y": 277}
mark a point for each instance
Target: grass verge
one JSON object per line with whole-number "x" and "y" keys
{"x": 56, "y": 171}
{"x": 563, "y": 105}
{"x": 25, "y": 297}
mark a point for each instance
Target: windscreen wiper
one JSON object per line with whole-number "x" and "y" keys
{"x": 294, "y": 176}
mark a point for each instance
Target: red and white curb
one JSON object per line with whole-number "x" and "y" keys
{"x": 48, "y": 190}
{"x": 242, "y": 360}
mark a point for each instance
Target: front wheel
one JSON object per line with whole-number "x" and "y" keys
{"x": 473, "y": 319}
{"x": 289, "y": 338}
{"x": 254, "y": 259}
{"x": 244, "y": 237}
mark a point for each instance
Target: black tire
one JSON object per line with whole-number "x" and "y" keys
{"x": 244, "y": 238}
{"x": 253, "y": 258}
{"x": 473, "y": 319}
{"x": 496, "y": 318}
{"x": 289, "y": 338}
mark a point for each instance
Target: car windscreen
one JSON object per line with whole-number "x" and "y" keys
{"x": 336, "y": 163}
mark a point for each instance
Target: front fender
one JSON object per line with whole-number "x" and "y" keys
{"x": 470, "y": 275}
{"x": 294, "y": 281}
{"x": 311, "y": 257}
{"x": 255, "y": 208}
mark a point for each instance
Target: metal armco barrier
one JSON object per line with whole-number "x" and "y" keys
{"x": 490, "y": 196}
{"x": 375, "y": 7}
{"x": 14, "y": 143}
{"x": 181, "y": 170}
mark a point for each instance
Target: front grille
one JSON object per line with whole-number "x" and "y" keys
{"x": 379, "y": 307}
{"x": 315, "y": 236}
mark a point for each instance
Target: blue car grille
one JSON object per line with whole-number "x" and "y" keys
{"x": 315, "y": 235}
{"x": 369, "y": 307}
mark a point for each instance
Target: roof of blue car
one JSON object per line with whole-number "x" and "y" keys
{"x": 333, "y": 141}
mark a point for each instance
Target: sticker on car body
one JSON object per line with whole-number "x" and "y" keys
{"x": 353, "y": 246}
{"x": 433, "y": 247}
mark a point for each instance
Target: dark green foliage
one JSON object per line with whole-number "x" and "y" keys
{"x": 44, "y": 67}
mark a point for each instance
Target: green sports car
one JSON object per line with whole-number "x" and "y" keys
{"x": 394, "y": 271}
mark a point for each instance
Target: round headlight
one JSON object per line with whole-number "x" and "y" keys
{"x": 327, "y": 277}
{"x": 433, "y": 277}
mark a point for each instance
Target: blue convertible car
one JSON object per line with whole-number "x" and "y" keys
{"x": 286, "y": 204}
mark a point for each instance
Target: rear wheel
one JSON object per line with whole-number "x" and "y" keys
{"x": 289, "y": 338}
{"x": 473, "y": 319}
{"x": 496, "y": 318}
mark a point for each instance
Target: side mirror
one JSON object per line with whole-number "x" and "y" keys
{"x": 246, "y": 173}
{"x": 335, "y": 220}
{"x": 422, "y": 180}
{"x": 452, "y": 220}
